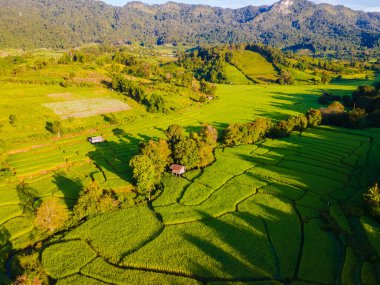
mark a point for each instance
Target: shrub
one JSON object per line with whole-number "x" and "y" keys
{"x": 12, "y": 119}
{"x": 281, "y": 130}
{"x": 356, "y": 119}
{"x": 285, "y": 78}
{"x": 314, "y": 118}
{"x": 155, "y": 104}
{"x": 54, "y": 127}
{"x": 207, "y": 88}
{"x": 372, "y": 201}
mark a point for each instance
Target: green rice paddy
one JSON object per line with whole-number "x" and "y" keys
{"x": 261, "y": 221}
{"x": 270, "y": 213}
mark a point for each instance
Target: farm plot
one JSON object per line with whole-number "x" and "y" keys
{"x": 87, "y": 107}
{"x": 260, "y": 223}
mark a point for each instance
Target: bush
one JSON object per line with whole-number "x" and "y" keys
{"x": 155, "y": 104}
{"x": 372, "y": 201}
{"x": 207, "y": 88}
{"x": 285, "y": 78}
{"x": 314, "y": 118}
{"x": 281, "y": 130}
{"x": 356, "y": 119}
{"x": 54, "y": 127}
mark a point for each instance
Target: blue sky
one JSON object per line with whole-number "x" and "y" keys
{"x": 367, "y": 5}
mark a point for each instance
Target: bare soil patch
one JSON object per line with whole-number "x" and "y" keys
{"x": 87, "y": 107}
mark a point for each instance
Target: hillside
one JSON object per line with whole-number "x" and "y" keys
{"x": 292, "y": 24}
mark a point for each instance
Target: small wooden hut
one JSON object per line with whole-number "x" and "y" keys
{"x": 178, "y": 169}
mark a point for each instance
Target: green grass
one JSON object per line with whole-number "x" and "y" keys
{"x": 114, "y": 275}
{"x": 372, "y": 231}
{"x": 64, "y": 259}
{"x": 79, "y": 279}
{"x": 9, "y": 212}
{"x": 234, "y": 246}
{"x": 319, "y": 263}
{"x": 349, "y": 268}
{"x": 254, "y": 66}
{"x": 174, "y": 186}
{"x": 281, "y": 221}
{"x": 235, "y": 76}
{"x": 339, "y": 217}
{"x": 115, "y": 234}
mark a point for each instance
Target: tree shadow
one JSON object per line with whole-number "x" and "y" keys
{"x": 5, "y": 250}
{"x": 112, "y": 157}
{"x": 70, "y": 188}
{"x": 236, "y": 247}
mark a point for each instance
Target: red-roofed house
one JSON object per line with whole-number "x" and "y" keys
{"x": 178, "y": 169}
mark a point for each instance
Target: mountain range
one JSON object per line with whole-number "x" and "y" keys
{"x": 287, "y": 24}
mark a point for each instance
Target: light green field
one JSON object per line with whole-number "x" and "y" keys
{"x": 254, "y": 66}
{"x": 260, "y": 220}
{"x": 255, "y": 215}
{"x": 235, "y": 76}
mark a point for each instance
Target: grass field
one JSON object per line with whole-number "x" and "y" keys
{"x": 254, "y": 66}
{"x": 252, "y": 217}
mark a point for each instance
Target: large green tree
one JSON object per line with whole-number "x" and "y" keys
{"x": 145, "y": 174}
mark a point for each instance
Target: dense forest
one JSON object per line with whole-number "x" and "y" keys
{"x": 296, "y": 24}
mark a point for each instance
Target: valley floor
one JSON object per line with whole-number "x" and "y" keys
{"x": 273, "y": 213}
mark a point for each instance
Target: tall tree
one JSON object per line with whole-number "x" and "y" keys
{"x": 144, "y": 173}
{"x": 51, "y": 215}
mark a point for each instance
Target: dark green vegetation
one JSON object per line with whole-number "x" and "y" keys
{"x": 302, "y": 25}
{"x": 287, "y": 210}
{"x": 256, "y": 63}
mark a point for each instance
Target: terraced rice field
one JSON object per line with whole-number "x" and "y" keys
{"x": 253, "y": 217}
{"x": 261, "y": 214}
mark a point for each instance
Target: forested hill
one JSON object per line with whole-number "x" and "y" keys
{"x": 286, "y": 24}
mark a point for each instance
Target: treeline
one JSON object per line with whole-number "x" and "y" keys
{"x": 155, "y": 157}
{"x": 208, "y": 63}
{"x": 363, "y": 105}
{"x": 251, "y": 133}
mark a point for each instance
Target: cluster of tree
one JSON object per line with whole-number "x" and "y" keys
{"x": 261, "y": 128}
{"x": 248, "y": 133}
{"x": 372, "y": 201}
{"x": 206, "y": 63}
{"x": 154, "y": 103}
{"x": 327, "y": 98}
{"x": 336, "y": 115}
{"x": 368, "y": 99}
{"x": 94, "y": 200}
{"x": 363, "y": 105}
{"x": 194, "y": 151}
{"x": 307, "y": 26}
